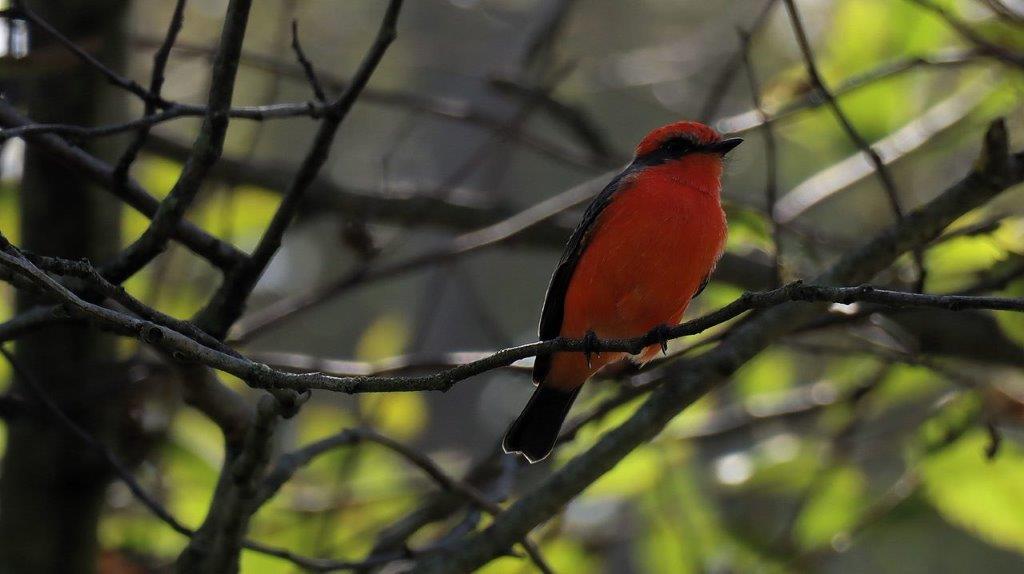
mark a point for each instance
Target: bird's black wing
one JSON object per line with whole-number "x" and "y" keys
{"x": 703, "y": 285}
{"x": 554, "y": 301}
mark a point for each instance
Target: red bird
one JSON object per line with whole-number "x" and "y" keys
{"x": 646, "y": 246}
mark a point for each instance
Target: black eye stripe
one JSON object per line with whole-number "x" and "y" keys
{"x": 672, "y": 148}
{"x": 679, "y": 143}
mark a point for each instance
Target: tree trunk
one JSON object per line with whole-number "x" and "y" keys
{"x": 52, "y": 486}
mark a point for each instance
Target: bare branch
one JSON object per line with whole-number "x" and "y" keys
{"x": 156, "y": 83}
{"x": 884, "y": 176}
{"x": 229, "y": 302}
{"x": 750, "y": 120}
{"x": 262, "y": 376}
{"x": 216, "y": 545}
{"x": 217, "y": 252}
{"x": 771, "y": 186}
{"x": 204, "y": 154}
{"x": 721, "y": 83}
{"x": 290, "y": 463}
{"x": 307, "y": 66}
{"x": 112, "y": 76}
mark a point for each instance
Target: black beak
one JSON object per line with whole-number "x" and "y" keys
{"x": 725, "y": 146}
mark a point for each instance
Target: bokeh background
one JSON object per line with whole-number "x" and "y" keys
{"x": 858, "y": 450}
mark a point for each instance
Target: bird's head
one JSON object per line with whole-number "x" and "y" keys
{"x": 688, "y": 153}
{"x": 680, "y": 139}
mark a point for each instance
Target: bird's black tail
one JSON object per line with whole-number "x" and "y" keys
{"x": 533, "y": 434}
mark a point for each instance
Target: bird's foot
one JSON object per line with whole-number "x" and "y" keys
{"x": 663, "y": 333}
{"x": 590, "y": 341}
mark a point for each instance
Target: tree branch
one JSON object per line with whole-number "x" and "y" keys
{"x": 261, "y": 376}
{"x": 220, "y": 254}
{"x": 289, "y": 464}
{"x": 884, "y": 176}
{"x": 156, "y": 84}
{"x": 112, "y": 76}
{"x": 228, "y": 303}
{"x": 205, "y": 151}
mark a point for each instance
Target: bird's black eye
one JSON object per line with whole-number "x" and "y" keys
{"x": 676, "y": 147}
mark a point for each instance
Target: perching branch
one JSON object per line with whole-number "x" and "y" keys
{"x": 261, "y": 376}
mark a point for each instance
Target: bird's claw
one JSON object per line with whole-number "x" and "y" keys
{"x": 663, "y": 332}
{"x": 590, "y": 346}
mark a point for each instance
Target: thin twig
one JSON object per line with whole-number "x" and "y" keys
{"x": 205, "y": 152}
{"x": 884, "y": 176}
{"x": 771, "y": 186}
{"x": 220, "y": 254}
{"x": 112, "y": 76}
{"x": 720, "y": 85}
{"x": 307, "y": 66}
{"x": 290, "y": 463}
{"x": 228, "y": 303}
{"x": 156, "y": 83}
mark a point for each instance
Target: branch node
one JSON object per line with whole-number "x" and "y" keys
{"x": 258, "y": 374}
{"x": 290, "y": 401}
{"x": 152, "y": 334}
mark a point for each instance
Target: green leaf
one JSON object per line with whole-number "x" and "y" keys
{"x": 634, "y": 475}
{"x": 907, "y": 383}
{"x": 951, "y": 263}
{"x": 981, "y": 496}
{"x": 833, "y": 508}
{"x": 772, "y": 370}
